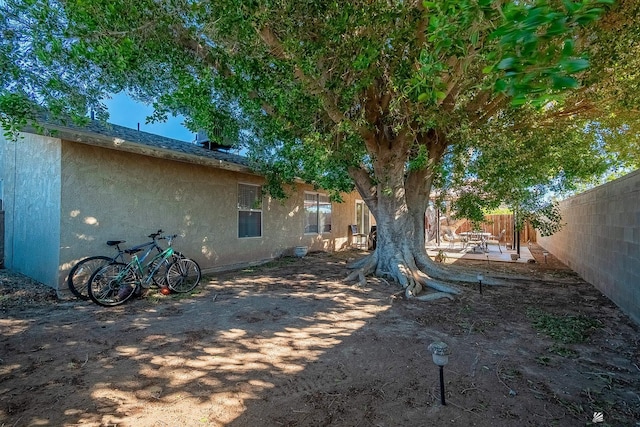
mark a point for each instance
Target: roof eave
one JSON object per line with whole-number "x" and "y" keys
{"x": 119, "y": 144}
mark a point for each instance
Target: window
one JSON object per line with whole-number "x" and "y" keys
{"x": 362, "y": 217}
{"x": 317, "y": 213}
{"x": 249, "y": 210}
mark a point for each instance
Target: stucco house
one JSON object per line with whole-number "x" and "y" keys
{"x": 65, "y": 195}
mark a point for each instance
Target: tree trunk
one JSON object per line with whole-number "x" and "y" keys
{"x": 398, "y": 201}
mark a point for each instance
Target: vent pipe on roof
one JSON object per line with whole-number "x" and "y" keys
{"x": 202, "y": 136}
{"x": 203, "y": 139}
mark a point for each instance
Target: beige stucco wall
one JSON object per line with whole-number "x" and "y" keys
{"x": 107, "y": 194}
{"x": 601, "y": 240}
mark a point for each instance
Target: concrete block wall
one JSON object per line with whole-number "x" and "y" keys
{"x": 601, "y": 240}
{"x": 1, "y": 239}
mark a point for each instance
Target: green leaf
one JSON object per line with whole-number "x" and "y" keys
{"x": 500, "y": 85}
{"x": 570, "y": 5}
{"x": 564, "y": 82}
{"x": 567, "y": 47}
{"x": 474, "y": 38}
{"x": 506, "y": 63}
{"x": 574, "y": 65}
{"x": 519, "y": 100}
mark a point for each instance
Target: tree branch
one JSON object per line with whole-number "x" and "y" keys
{"x": 478, "y": 101}
{"x": 329, "y": 101}
{"x": 366, "y": 188}
{"x": 421, "y": 178}
{"x": 421, "y": 28}
{"x": 99, "y": 34}
{"x": 500, "y": 101}
{"x": 452, "y": 80}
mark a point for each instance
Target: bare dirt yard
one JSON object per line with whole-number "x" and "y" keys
{"x": 289, "y": 344}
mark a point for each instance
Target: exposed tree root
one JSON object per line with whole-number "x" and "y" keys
{"x": 364, "y": 266}
{"x": 433, "y": 296}
{"x": 361, "y": 262}
{"x": 403, "y": 270}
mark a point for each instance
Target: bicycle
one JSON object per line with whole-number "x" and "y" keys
{"x": 117, "y": 282}
{"x": 79, "y": 275}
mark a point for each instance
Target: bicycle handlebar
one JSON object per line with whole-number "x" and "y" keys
{"x": 169, "y": 238}
{"x": 154, "y": 236}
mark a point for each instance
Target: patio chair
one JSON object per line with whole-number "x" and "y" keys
{"x": 452, "y": 238}
{"x": 358, "y": 239}
{"x": 496, "y": 240}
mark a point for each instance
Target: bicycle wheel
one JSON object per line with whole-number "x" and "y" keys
{"x": 183, "y": 275}
{"x": 112, "y": 285}
{"x": 80, "y": 274}
{"x": 159, "y": 277}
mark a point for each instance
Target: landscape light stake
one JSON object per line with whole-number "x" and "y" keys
{"x": 545, "y": 256}
{"x": 440, "y": 352}
{"x": 480, "y": 279}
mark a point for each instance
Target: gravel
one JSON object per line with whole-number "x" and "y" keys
{"x": 17, "y": 290}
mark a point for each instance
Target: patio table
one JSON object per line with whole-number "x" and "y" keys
{"x": 477, "y": 238}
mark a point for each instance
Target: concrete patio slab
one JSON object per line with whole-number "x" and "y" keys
{"x": 493, "y": 253}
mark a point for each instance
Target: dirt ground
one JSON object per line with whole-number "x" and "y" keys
{"x": 289, "y": 344}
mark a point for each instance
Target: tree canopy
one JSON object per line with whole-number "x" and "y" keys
{"x": 325, "y": 73}
{"x": 494, "y": 99}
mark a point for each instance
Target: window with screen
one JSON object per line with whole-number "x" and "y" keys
{"x": 317, "y": 213}
{"x": 249, "y": 210}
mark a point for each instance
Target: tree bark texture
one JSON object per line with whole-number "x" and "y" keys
{"x": 398, "y": 199}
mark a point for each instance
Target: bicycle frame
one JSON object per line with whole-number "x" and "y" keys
{"x": 81, "y": 272}
{"x": 150, "y": 245}
{"x": 119, "y": 257}
{"x": 116, "y": 282}
{"x": 145, "y": 272}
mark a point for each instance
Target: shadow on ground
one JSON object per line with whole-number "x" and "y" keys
{"x": 289, "y": 344}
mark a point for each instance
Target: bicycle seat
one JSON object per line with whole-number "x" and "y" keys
{"x": 115, "y": 242}
{"x": 132, "y": 251}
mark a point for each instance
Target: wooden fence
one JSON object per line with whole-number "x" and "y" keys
{"x": 496, "y": 223}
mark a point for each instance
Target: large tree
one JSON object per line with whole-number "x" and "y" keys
{"x": 494, "y": 98}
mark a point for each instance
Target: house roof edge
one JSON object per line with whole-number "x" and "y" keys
{"x": 129, "y": 140}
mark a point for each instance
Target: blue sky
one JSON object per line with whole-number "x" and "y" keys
{"x": 126, "y": 112}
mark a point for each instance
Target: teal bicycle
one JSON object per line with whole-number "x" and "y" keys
{"x": 79, "y": 275}
{"x": 117, "y": 282}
